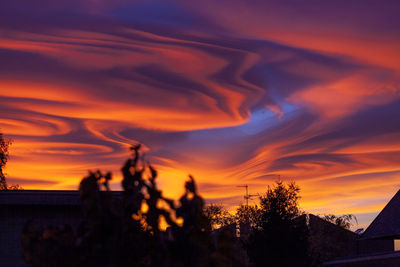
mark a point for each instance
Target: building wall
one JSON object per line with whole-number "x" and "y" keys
{"x": 13, "y": 218}
{"x": 374, "y": 246}
{"x": 329, "y": 241}
{"x": 382, "y": 259}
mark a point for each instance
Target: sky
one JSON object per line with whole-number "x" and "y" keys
{"x": 233, "y": 92}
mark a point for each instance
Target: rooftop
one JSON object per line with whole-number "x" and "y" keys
{"x": 39, "y": 197}
{"x": 387, "y": 224}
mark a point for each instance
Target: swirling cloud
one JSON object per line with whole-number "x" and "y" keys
{"x": 232, "y": 93}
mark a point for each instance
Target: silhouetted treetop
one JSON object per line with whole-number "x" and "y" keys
{"x": 3, "y": 160}
{"x": 248, "y": 214}
{"x": 280, "y": 202}
{"x": 280, "y": 237}
{"x": 218, "y": 216}
{"x": 4, "y": 155}
{"x": 344, "y": 221}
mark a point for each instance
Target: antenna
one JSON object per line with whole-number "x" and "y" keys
{"x": 247, "y": 196}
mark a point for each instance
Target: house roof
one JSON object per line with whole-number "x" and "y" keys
{"x": 42, "y": 197}
{"x": 315, "y": 223}
{"x": 387, "y": 224}
{"x": 39, "y": 197}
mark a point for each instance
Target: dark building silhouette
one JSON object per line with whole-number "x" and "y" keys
{"x": 387, "y": 224}
{"x": 329, "y": 241}
{"x": 47, "y": 207}
{"x": 378, "y": 244}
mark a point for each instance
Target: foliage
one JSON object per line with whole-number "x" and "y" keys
{"x": 4, "y": 155}
{"x": 281, "y": 236}
{"x": 120, "y": 231}
{"x": 344, "y": 221}
{"x": 3, "y": 160}
{"x": 218, "y": 216}
{"x": 280, "y": 203}
{"x": 248, "y": 215}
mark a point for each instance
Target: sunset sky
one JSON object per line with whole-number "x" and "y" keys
{"x": 232, "y": 92}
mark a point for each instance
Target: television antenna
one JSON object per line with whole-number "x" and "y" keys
{"x": 247, "y": 196}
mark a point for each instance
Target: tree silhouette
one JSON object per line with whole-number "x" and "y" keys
{"x": 4, "y": 144}
{"x": 3, "y": 160}
{"x": 218, "y": 216}
{"x": 248, "y": 214}
{"x": 344, "y": 221}
{"x": 279, "y": 237}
